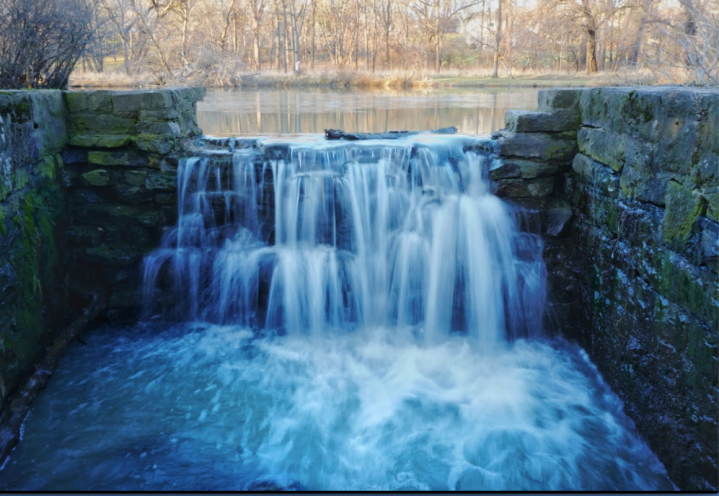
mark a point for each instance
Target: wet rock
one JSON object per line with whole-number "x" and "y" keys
{"x": 638, "y": 183}
{"x": 524, "y": 188}
{"x": 597, "y": 175}
{"x": 557, "y": 219}
{"x": 501, "y": 169}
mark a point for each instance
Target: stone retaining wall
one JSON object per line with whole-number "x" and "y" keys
{"x": 87, "y": 182}
{"x": 33, "y": 221}
{"x": 121, "y": 175}
{"x": 635, "y": 281}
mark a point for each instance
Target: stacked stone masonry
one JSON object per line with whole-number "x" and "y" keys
{"x": 87, "y": 182}
{"x": 635, "y": 278}
{"x": 623, "y": 183}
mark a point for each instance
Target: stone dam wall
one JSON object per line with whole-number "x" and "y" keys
{"x": 87, "y": 182}
{"x": 633, "y": 269}
{"x": 621, "y": 182}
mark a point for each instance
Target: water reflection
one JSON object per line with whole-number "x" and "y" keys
{"x": 271, "y": 111}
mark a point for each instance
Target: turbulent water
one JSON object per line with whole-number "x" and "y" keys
{"x": 349, "y": 316}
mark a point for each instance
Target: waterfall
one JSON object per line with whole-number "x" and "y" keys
{"x": 399, "y": 233}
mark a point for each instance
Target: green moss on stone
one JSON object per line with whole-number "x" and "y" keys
{"x": 154, "y": 143}
{"x": 683, "y": 208}
{"x": 115, "y": 158}
{"x": 92, "y": 123}
{"x": 76, "y": 101}
{"x": 100, "y": 141}
{"x": 47, "y": 168}
{"x": 97, "y": 177}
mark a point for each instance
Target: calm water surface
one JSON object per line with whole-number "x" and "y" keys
{"x": 312, "y": 111}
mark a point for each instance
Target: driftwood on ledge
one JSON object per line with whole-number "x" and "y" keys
{"x": 11, "y": 418}
{"x": 338, "y": 134}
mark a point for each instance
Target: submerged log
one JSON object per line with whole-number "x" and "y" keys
{"x": 12, "y": 417}
{"x": 338, "y": 134}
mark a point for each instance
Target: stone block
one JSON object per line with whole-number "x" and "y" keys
{"x": 522, "y": 121}
{"x": 154, "y": 143}
{"x": 100, "y": 140}
{"x": 97, "y": 177}
{"x": 159, "y": 128}
{"x": 557, "y": 219}
{"x": 163, "y": 181}
{"x": 76, "y": 101}
{"x": 711, "y": 194}
{"x": 133, "y": 235}
{"x": 540, "y": 146}
{"x": 559, "y": 98}
{"x": 104, "y": 214}
{"x": 639, "y": 183}
{"x": 152, "y": 218}
{"x": 134, "y": 195}
{"x": 598, "y": 175}
{"x": 118, "y": 158}
{"x": 136, "y": 177}
{"x": 710, "y": 245}
{"x": 524, "y": 188}
{"x": 92, "y": 123}
{"x": 114, "y": 255}
{"x": 683, "y": 208}
{"x": 141, "y": 100}
{"x": 100, "y": 101}
{"x": 74, "y": 156}
{"x": 501, "y": 169}
{"x": 49, "y": 132}
{"x": 85, "y": 235}
{"x": 166, "y": 199}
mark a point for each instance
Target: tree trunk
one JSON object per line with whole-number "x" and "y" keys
{"x": 497, "y": 40}
{"x": 591, "y": 51}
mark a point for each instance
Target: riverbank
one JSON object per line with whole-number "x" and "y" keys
{"x": 114, "y": 78}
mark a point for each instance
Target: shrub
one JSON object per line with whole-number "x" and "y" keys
{"x": 41, "y": 41}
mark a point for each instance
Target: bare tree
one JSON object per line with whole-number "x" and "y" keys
{"x": 41, "y": 41}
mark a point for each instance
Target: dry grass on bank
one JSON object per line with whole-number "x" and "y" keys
{"x": 115, "y": 77}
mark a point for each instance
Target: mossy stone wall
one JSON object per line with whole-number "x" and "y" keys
{"x": 33, "y": 221}
{"x": 636, "y": 280}
{"x": 121, "y": 175}
{"x": 87, "y": 182}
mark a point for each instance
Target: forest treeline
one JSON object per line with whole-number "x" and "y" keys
{"x": 213, "y": 42}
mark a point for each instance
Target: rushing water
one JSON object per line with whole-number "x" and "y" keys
{"x": 349, "y": 316}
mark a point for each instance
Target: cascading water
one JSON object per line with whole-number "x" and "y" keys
{"x": 347, "y": 316}
{"x": 368, "y": 234}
